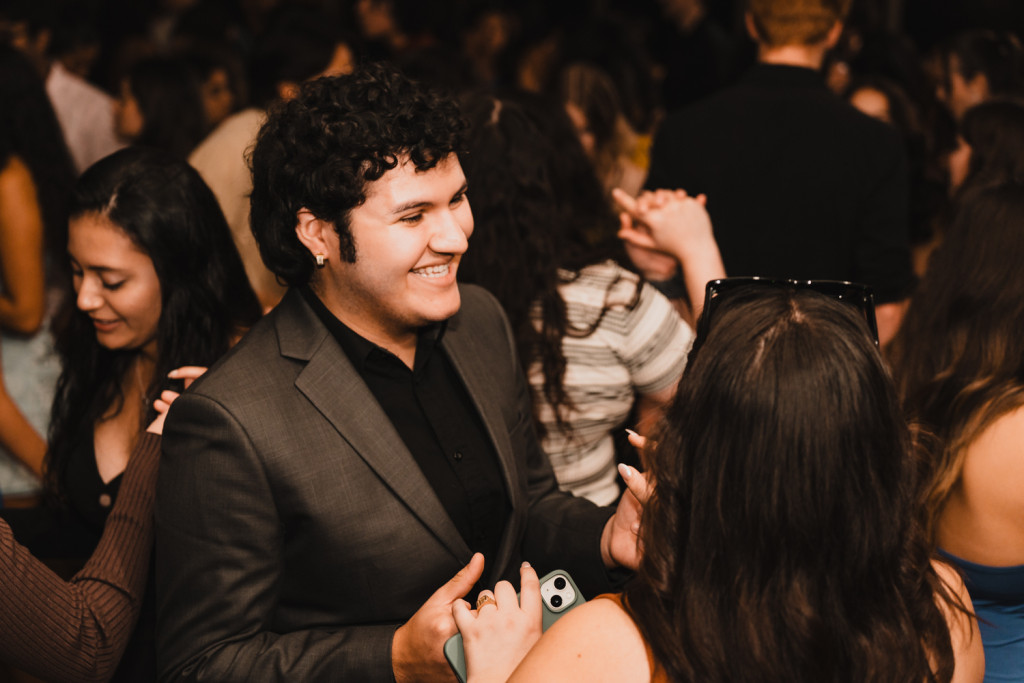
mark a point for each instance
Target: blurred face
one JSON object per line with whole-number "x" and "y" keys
{"x": 115, "y": 284}
{"x": 873, "y": 103}
{"x": 375, "y": 18}
{"x": 962, "y": 93}
{"x": 218, "y": 99}
{"x": 127, "y": 115}
{"x": 409, "y": 236}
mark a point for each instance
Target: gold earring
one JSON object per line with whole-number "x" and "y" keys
{"x": 320, "y": 258}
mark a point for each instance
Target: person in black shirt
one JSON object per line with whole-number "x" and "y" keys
{"x": 798, "y": 183}
{"x": 371, "y": 436}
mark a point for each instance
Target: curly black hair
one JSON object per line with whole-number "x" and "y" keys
{"x": 320, "y": 150}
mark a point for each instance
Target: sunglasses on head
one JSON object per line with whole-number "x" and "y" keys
{"x": 851, "y": 293}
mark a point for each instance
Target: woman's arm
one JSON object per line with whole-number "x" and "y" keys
{"x": 672, "y": 223}
{"x": 17, "y": 435}
{"x": 77, "y": 630}
{"x": 23, "y": 299}
{"x": 963, "y": 629}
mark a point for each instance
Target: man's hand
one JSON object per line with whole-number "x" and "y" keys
{"x": 417, "y": 653}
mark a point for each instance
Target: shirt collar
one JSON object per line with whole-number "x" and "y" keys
{"x": 784, "y": 74}
{"x": 359, "y": 349}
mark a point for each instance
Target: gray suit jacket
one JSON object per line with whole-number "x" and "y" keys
{"x": 295, "y": 531}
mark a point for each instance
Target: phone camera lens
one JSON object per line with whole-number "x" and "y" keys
{"x": 556, "y": 600}
{"x": 560, "y": 584}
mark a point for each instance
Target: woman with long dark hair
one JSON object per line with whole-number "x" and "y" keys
{"x": 158, "y": 285}
{"x": 595, "y": 340}
{"x": 783, "y": 540}
{"x": 959, "y": 363}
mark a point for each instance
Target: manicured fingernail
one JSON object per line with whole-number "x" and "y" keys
{"x": 173, "y": 373}
{"x": 526, "y": 565}
{"x": 626, "y": 471}
{"x": 631, "y": 432}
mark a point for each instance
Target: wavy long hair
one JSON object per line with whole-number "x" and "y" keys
{"x": 541, "y": 217}
{"x": 169, "y": 213}
{"x": 783, "y": 541}
{"x": 959, "y": 354}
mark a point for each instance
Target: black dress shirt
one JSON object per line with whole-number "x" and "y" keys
{"x": 437, "y": 420}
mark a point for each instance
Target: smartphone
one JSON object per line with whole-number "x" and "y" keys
{"x": 558, "y": 595}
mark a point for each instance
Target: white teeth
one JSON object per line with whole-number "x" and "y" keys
{"x": 432, "y": 271}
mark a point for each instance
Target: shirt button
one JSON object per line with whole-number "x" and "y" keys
{"x": 457, "y": 456}
{"x": 105, "y": 500}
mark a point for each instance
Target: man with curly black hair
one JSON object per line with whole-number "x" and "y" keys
{"x": 371, "y": 437}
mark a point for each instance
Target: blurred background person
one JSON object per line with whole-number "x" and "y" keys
{"x": 161, "y": 106}
{"x": 298, "y": 45}
{"x": 602, "y": 349}
{"x": 959, "y": 364}
{"x": 36, "y": 177}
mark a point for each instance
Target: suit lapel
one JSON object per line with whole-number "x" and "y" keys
{"x": 332, "y": 385}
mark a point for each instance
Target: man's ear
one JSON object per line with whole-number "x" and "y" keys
{"x": 314, "y": 233}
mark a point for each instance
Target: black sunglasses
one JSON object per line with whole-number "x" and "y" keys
{"x": 852, "y": 293}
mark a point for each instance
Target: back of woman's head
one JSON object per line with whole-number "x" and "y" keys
{"x": 959, "y": 354}
{"x": 537, "y": 205}
{"x": 781, "y": 541}
{"x": 994, "y": 130}
{"x": 170, "y": 101}
{"x": 163, "y": 206}
{"x": 534, "y": 196}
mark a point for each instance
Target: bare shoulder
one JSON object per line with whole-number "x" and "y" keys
{"x": 995, "y": 461}
{"x": 597, "y": 641}
{"x": 963, "y": 629}
{"x": 1003, "y": 440}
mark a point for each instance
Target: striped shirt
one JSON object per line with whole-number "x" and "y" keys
{"x": 640, "y": 349}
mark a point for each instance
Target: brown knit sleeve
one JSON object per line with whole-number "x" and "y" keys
{"x": 77, "y": 630}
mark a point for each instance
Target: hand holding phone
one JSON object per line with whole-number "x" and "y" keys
{"x": 557, "y": 594}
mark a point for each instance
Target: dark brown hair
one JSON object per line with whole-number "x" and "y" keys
{"x": 783, "y": 541}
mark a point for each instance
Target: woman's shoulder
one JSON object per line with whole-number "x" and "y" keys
{"x": 597, "y": 641}
{"x": 995, "y": 460}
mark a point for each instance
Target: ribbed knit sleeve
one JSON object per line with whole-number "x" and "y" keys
{"x": 77, "y": 630}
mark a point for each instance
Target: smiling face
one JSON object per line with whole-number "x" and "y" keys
{"x": 115, "y": 283}
{"x": 409, "y": 236}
